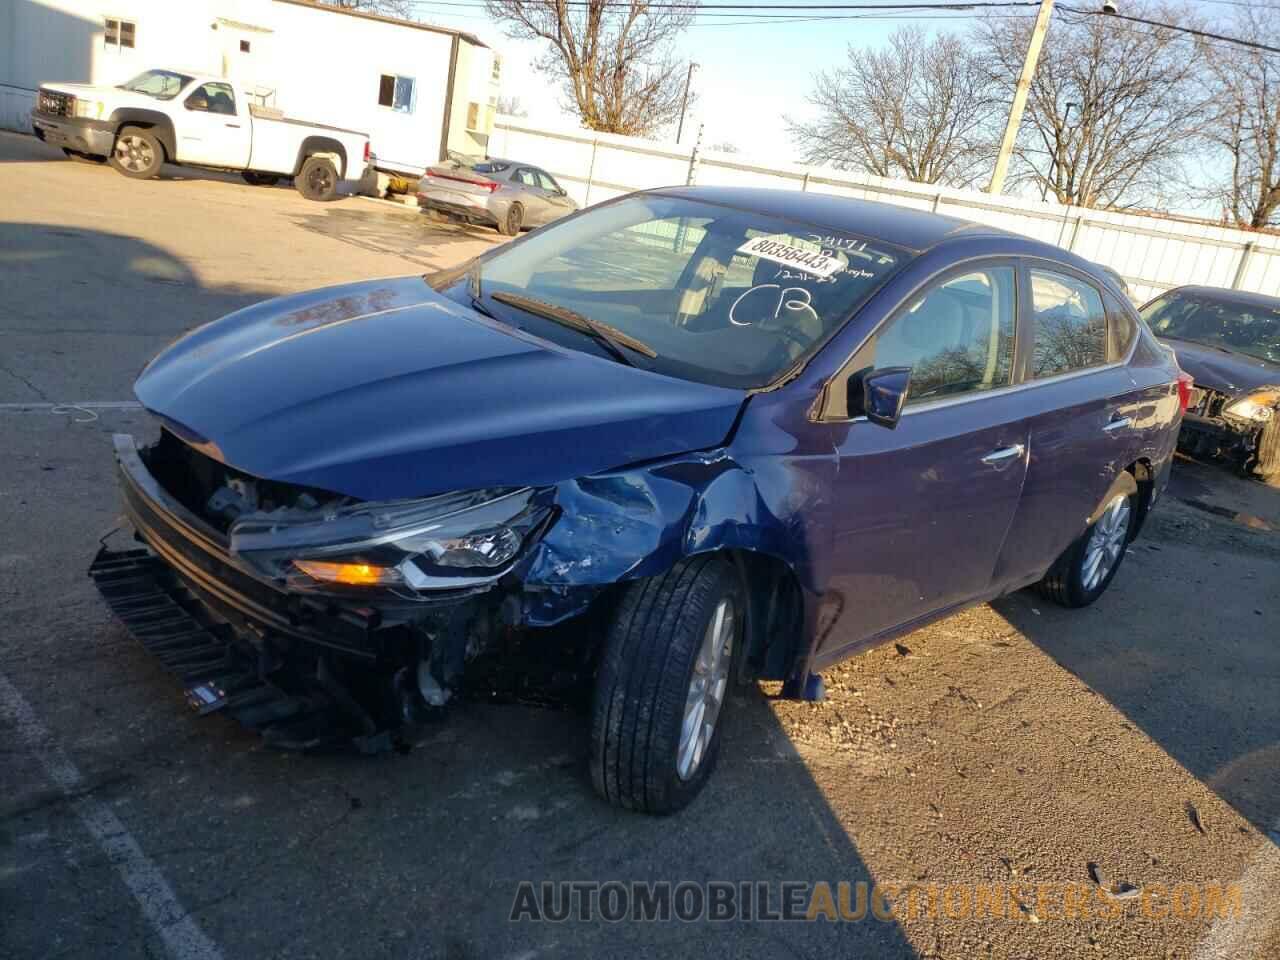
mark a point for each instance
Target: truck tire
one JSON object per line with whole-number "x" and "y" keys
{"x": 663, "y": 679}
{"x": 318, "y": 179}
{"x": 510, "y": 225}
{"x": 137, "y": 153}
{"x": 255, "y": 179}
{"x": 1268, "y": 465}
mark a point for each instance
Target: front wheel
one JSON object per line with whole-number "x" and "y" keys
{"x": 1086, "y": 568}
{"x": 318, "y": 179}
{"x": 137, "y": 153}
{"x": 662, "y": 684}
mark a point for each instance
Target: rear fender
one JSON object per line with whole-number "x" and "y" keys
{"x": 326, "y": 147}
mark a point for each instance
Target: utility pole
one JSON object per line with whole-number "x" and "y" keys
{"x": 1020, "y": 96}
{"x": 684, "y": 101}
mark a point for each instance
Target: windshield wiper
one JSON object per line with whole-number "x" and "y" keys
{"x": 610, "y": 337}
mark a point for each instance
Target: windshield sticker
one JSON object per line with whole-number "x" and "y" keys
{"x": 778, "y": 251}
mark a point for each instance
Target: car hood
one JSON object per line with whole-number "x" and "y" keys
{"x": 386, "y": 390}
{"x": 1228, "y": 372}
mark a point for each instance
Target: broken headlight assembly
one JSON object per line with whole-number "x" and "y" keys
{"x": 438, "y": 543}
{"x": 1258, "y": 407}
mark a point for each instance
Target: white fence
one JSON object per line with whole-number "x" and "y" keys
{"x": 1151, "y": 253}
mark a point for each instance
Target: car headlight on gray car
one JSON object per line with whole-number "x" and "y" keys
{"x": 1258, "y": 406}
{"x": 448, "y": 541}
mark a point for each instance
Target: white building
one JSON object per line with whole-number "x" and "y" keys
{"x": 417, "y": 90}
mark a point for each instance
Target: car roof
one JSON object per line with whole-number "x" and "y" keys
{"x": 1230, "y": 296}
{"x": 915, "y": 230}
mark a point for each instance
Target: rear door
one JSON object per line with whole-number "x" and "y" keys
{"x": 921, "y": 511}
{"x": 1084, "y": 411}
{"x": 558, "y": 202}
{"x": 213, "y": 129}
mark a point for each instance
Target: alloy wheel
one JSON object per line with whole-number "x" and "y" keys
{"x": 134, "y": 154}
{"x": 1107, "y": 541}
{"x": 706, "y": 689}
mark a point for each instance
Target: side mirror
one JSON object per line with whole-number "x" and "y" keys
{"x": 879, "y": 395}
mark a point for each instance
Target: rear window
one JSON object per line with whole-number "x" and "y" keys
{"x": 489, "y": 166}
{"x": 721, "y": 295}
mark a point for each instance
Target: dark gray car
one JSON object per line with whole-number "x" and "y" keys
{"x": 505, "y": 194}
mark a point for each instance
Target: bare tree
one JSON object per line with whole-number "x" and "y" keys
{"x": 511, "y": 106}
{"x": 1113, "y": 110}
{"x": 387, "y": 8}
{"x": 1246, "y": 125}
{"x": 614, "y": 60}
{"x": 917, "y": 108}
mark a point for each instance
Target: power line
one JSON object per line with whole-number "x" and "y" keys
{"x": 1172, "y": 26}
{"x": 763, "y": 9}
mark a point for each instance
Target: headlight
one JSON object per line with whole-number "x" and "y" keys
{"x": 453, "y": 540}
{"x": 92, "y": 109}
{"x": 1258, "y": 406}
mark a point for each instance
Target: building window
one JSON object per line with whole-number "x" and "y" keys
{"x": 497, "y": 68}
{"x": 473, "y": 116}
{"x": 120, "y": 34}
{"x": 396, "y": 92}
{"x": 244, "y": 46}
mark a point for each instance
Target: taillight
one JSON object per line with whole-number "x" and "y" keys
{"x": 489, "y": 185}
{"x": 1184, "y": 391}
{"x": 367, "y": 153}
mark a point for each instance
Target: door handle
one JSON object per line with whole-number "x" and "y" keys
{"x": 236, "y": 125}
{"x": 1117, "y": 423}
{"x": 1004, "y": 453}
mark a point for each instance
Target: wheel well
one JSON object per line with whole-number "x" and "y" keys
{"x": 775, "y": 613}
{"x": 1146, "y": 479}
{"x": 159, "y": 124}
{"x": 322, "y": 147}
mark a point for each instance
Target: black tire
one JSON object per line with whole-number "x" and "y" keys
{"x": 1069, "y": 581}
{"x": 255, "y": 179}
{"x": 1268, "y": 465}
{"x": 137, "y": 153}
{"x": 83, "y": 157}
{"x": 660, "y": 628}
{"x": 318, "y": 179}
{"x": 513, "y": 221}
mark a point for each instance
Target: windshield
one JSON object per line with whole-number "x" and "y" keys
{"x": 1248, "y": 328}
{"x": 161, "y": 84}
{"x": 710, "y": 293}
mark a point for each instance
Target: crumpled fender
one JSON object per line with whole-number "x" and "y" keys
{"x": 628, "y": 524}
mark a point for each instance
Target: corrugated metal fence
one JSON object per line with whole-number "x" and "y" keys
{"x": 1151, "y": 253}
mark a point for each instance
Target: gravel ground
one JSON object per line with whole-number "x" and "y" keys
{"x": 1014, "y": 742}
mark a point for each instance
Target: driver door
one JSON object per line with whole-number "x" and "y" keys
{"x": 213, "y": 130}
{"x": 921, "y": 511}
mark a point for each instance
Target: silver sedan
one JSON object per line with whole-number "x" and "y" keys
{"x": 505, "y": 194}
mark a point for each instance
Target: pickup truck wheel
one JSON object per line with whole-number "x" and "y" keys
{"x": 318, "y": 179}
{"x": 255, "y": 179}
{"x": 137, "y": 153}
{"x": 510, "y": 224}
{"x": 663, "y": 679}
{"x": 83, "y": 157}
{"x": 1085, "y": 569}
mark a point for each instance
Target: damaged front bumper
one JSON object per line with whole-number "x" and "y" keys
{"x": 1209, "y": 437}
{"x": 305, "y": 667}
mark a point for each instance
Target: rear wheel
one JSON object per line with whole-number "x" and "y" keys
{"x": 1084, "y": 571}
{"x": 511, "y": 223}
{"x": 663, "y": 680}
{"x": 318, "y": 179}
{"x": 255, "y": 179}
{"x": 137, "y": 153}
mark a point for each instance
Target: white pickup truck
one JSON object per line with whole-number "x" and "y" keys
{"x": 167, "y": 116}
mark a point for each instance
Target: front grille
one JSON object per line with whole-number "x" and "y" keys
{"x": 1207, "y": 402}
{"x": 57, "y": 104}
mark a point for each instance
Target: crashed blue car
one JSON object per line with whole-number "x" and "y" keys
{"x": 682, "y": 440}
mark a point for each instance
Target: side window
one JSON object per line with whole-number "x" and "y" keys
{"x": 1121, "y": 329}
{"x": 956, "y": 337}
{"x": 525, "y": 177}
{"x": 396, "y": 92}
{"x": 546, "y": 183}
{"x": 212, "y": 98}
{"x": 1069, "y": 322}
